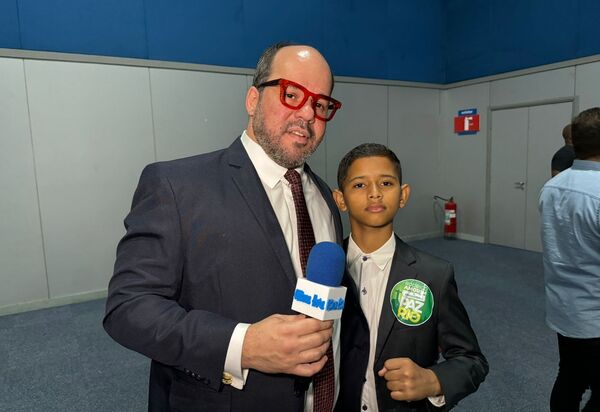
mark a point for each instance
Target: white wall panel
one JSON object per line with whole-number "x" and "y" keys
{"x": 535, "y": 87}
{"x": 362, "y": 119}
{"x": 92, "y": 133}
{"x": 414, "y": 130}
{"x": 196, "y": 112}
{"x": 94, "y": 127}
{"x": 588, "y": 85}
{"x": 318, "y": 161}
{"x": 463, "y": 158}
{"x": 22, "y": 271}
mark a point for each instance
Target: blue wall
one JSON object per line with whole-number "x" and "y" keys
{"x": 495, "y": 36}
{"x": 438, "y": 41}
{"x": 359, "y": 38}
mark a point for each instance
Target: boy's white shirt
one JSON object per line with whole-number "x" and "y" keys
{"x": 370, "y": 273}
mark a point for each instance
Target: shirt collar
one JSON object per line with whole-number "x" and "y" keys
{"x": 579, "y": 164}
{"x": 270, "y": 173}
{"x": 381, "y": 257}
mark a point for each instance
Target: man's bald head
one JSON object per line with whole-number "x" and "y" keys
{"x": 264, "y": 66}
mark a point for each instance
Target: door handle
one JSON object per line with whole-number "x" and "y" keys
{"x": 520, "y": 185}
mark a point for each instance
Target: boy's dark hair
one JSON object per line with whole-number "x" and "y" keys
{"x": 585, "y": 132}
{"x": 366, "y": 150}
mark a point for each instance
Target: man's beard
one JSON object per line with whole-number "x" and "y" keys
{"x": 271, "y": 141}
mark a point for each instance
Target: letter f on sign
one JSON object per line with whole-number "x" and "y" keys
{"x": 468, "y": 123}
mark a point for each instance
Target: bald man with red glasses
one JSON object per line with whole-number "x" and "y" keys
{"x": 204, "y": 277}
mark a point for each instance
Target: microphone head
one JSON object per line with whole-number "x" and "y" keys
{"x": 326, "y": 264}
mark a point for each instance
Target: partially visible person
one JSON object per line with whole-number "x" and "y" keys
{"x": 402, "y": 307}
{"x": 204, "y": 277}
{"x": 569, "y": 205}
{"x": 563, "y": 158}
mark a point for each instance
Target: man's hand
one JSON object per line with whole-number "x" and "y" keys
{"x": 291, "y": 344}
{"x": 407, "y": 381}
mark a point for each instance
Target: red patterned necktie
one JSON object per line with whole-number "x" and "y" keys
{"x": 324, "y": 380}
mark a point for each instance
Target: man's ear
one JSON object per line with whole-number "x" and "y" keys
{"x": 252, "y": 97}
{"x": 404, "y": 195}
{"x": 338, "y": 196}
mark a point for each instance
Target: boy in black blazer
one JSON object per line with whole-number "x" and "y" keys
{"x": 402, "y": 310}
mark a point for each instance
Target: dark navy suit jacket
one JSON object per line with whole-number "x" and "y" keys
{"x": 448, "y": 332}
{"x": 203, "y": 251}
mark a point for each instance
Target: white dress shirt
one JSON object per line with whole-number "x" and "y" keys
{"x": 279, "y": 192}
{"x": 370, "y": 273}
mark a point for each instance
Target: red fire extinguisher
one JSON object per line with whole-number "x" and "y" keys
{"x": 449, "y": 217}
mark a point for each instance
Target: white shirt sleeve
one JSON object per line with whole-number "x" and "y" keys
{"x": 233, "y": 360}
{"x": 437, "y": 401}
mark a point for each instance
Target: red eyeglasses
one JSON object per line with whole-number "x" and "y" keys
{"x": 294, "y": 96}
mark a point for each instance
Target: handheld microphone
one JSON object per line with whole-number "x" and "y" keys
{"x": 320, "y": 295}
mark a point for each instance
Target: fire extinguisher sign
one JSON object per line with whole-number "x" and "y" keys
{"x": 467, "y": 122}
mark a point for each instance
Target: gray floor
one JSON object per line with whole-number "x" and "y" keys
{"x": 503, "y": 291}
{"x": 60, "y": 359}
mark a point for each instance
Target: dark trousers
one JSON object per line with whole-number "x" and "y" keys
{"x": 578, "y": 369}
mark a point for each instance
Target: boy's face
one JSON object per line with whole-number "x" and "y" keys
{"x": 372, "y": 193}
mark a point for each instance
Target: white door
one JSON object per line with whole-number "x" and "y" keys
{"x": 523, "y": 141}
{"x": 508, "y": 170}
{"x": 545, "y": 138}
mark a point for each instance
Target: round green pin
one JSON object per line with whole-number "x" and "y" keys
{"x": 412, "y": 302}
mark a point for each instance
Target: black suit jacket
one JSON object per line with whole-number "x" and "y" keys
{"x": 448, "y": 330}
{"x": 203, "y": 251}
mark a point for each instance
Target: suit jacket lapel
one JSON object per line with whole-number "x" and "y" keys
{"x": 403, "y": 259}
{"x": 247, "y": 181}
